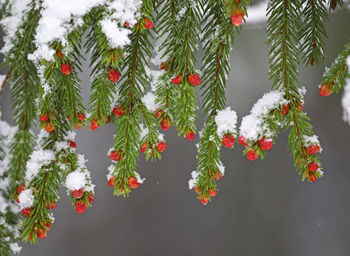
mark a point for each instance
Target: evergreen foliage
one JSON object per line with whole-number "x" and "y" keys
{"x": 129, "y": 94}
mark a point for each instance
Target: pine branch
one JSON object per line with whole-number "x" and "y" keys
{"x": 150, "y": 140}
{"x": 72, "y": 59}
{"x": 23, "y": 45}
{"x": 283, "y": 24}
{"x": 8, "y": 213}
{"x": 218, "y": 36}
{"x": 104, "y": 60}
{"x": 313, "y": 31}
{"x": 165, "y": 91}
{"x": 24, "y": 90}
{"x": 333, "y": 78}
{"x": 46, "y": 188}
{"x": 123, "y": 176}
{"x": 183, "y": 60}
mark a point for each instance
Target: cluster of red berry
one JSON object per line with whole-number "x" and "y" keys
{"x": 252, "y": 154}
{"x": 312, "y": 166}
{"x": 40, "y": 228}
{"x": 132, "y": 183}
{"x": 193, "y": 79}
{"x": 237, "y": 14}
{"x": 82, "y": 200}
{"x": 47, "y": 121}
{"x": 204, "y": 195}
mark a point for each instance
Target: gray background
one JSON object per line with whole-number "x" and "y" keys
{"x": 262, "y": 208}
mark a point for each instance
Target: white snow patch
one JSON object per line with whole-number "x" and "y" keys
{"x": 346, "y": 101}
{"x": 38, "y": 159}
{"x": 226, "y": 121}
{"x": 117, "y": 37}
{"x": 26, "y": 199}
{"x": 75, "y": 180}
{"x": 192, "y": 182}
{"x": 149, "y": 101}
{"x": 253, "y": 126}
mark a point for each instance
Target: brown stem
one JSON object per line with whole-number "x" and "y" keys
{"x": 5, "y": 80}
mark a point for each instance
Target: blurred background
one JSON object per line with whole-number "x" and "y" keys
{"x": 262, "y": 208}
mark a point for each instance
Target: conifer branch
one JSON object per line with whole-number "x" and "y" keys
{"x": 24, "y": 90}
{"x": 333, "y": 78}
{"x": 283, "y": 24}
{"x": 183, "y": 60}
{"x": 106, "y": 64}
{"x": 165, "y": 91}
{"x": 313, "y": 31}
{"x": 123, "y": 176}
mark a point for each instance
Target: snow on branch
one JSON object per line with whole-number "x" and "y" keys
{"x": 254, "y": 125}
{"x": 346, "y": 96}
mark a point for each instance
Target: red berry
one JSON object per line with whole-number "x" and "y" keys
{"x": 237, "y": 17}
{"x": 164, "y": 65}
{"x": 217, "y": 175}
{"x": 212, "y": 192}
{"x": 196, "y": 189}
{"x": 77, "y": 126}
{"x": 133, "y": 183}
{"x": 312, "y": 149}
{"x": 48, "y": 225}
{"x": 228, "y": 141}
{"x": 113, "y": 75}
{"x": 252, "y": 155}
{"x": 116, "y": 156}
{"x": 80, "y": 207}
{"x": 313, "y": 167}
{"x": 81, "y": 116}
{"x": 285, "y": 110}
{"x": 300, "y": 106}
{"x": 118, "y": 111}
{"x": 194, "y": 79}
{"x": 312, "y": 177}
{"x": 161, "y": 146}
{"x": 44, "y": 118}
{"x": 144, "y": 147}
{"x": 72, "y": 144}
{"x": 66, "y": 69}
{"x": 27, "y": 211}
{"x": 107, "y": 119}
{"x": 78, "y": 193}
{"x": 20, "y": 188}
{"x": 158, "y": 113}
{"x": 41, "y": 233}
{"x": 242, "y": 141}
{"x": 59, "y": 54}
{"x": 165, "y": 124}
{"x": 94, "y": 125}
{"x": 148, "y": 23}
{"x": 49, "y": 127}
{"x": 51, "y": 205}
{"x": 190, "y": 135}
{"x": 325, "y": 90}
{"x": 91, "y": 198}
{"x": 265, "y": 144}
{"x": 204, "y": 200}
{"x": 126, "y": 24}
{"x": 112, "y": 181}
{"x": 177, "y": 80}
